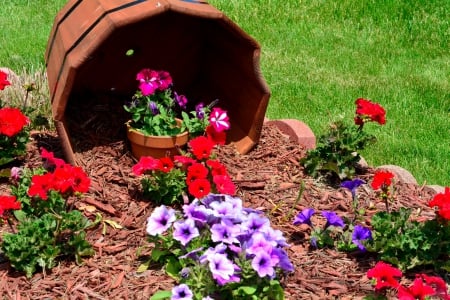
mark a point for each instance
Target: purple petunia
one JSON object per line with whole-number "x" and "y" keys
{"x": 352, "y": 185}
{"x": 361, "y": 233}
{"x": 263, "y": 264}
{"x": 181, "y": 100}
{"x": 181, "y": 292}
{"x": 221, "y": 267}
{"x": 200, "y": 111}
{"x": 304, "y": 217}
{"x": 255, "y": 222}
{"x": 332, "y": 219}
{"x": 154, "y": 108}
{"x": 225, "y": 232}
{"x": 160, "y": 220}
{"x": 185, "y": 231}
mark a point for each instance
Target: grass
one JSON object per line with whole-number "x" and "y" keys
{"x": 318, "y": 57}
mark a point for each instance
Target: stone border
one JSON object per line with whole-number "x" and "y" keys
{"x": 303, "y": 135}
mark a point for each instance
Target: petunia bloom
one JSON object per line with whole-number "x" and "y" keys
{"x": 224, "y": 185}
{"x": 352, "y": 185}
{"x": 361, "y": 233}
{"x": 382, "y": 179}
{"x": 148, "y": 81}
{"x": 219, "y": 138}
{"x": 385, "y": 275}
{"x": 263, "y": 264}
{"x": 219, "y": 119}
{"x": 181, "y": 292}
{"x": 332, "y": 219}
{"x": 199, "y": 188}
{"x": 304, "y": 217}
{"x": 185, "y": 231}
{"x": 181, "y": 100}
{"x": 160, "y": 220}
{"x": 201, "y": 147}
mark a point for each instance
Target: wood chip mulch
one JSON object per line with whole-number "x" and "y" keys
{"x": 268, "y": 178}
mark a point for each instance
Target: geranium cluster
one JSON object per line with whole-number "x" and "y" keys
{"x": 218, "y": 247}
{"x": 336, "y": 155}
{"x": 47, "y": 227}
{"x": 442, "y": 202}
{"x": 387, "y": 277}
{"x": 334, "y": 232}
{"x": 155, "y": 108}
{"x": 13, "y": 129}
{"x": 193, "y": 175}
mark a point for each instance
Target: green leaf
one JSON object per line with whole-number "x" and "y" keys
{"x": 161, "y": 295}
{"x": 248, "y": 290}
{"x": 143, "y": 267}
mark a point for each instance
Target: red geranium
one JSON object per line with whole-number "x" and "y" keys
{"x": 201, "y": 147}
{"x": 50, "y": 160}
{"x": 40, "y": 185}
{"x": 12, "y": 121}
{"x": 3, "y": 80}
{"x": 417, "y": 291}
{"x": 369, "y": 111}
{"x": 384, "y": 275}
{"x": 438, "y": 284}
{"x": 199, "y": 188}
{"x": 217, "y": 168}
{"x": 70, "y": 179}
{"x": 7, "y": 203}
{"x": 442, "y": 201}
{"x": 382, "y": 178}
{"x": 196, "y": 171}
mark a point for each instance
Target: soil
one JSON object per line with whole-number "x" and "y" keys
{"x": 268, "y": 179}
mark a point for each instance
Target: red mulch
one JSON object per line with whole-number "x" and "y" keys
{"x": 268, "y": 178}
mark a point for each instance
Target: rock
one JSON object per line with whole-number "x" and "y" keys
{"x": 296, "y": 130}
{"x": 401, "y": 174}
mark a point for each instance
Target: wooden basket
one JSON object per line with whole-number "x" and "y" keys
{"x": 96, "y": 48}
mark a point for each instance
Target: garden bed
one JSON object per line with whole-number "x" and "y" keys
{"x": 268, "y": 178}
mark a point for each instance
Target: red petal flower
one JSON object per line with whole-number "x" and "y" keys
{"x": 166, "y": 164}
{"x": 438, "y": 284}
{"x": 12, "y": 121}
{"x": 50, "y": 160}
{"x": 217, "y": 168}
{"x": 7, "y": 203}
{"x": 201, "y": 147}
{"x": 199, "y": 188}
{"x": 224, "y": 185}
{"x": 3, "y": 80}
{"x": 382, "y": 178}
{"x": 196, "y": 171}
{"x": 146, "y": 163}
{"x": 217, "y": 137}
{"x": 40, "y": 184}
{"x": 442, "y": 201}
{"x": 384, "y": 274}
{"x": 367, "y": 110}
{"x": 417, "y": 291}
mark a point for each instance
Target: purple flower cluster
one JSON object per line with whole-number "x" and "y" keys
{"x": 235, "y": 233}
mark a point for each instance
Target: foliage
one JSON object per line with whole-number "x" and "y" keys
{"x": 192, "y": 175}
{"x": 48, "y": 229}
{"x": 336, "y": 155}
{"x": 156, "y": 109}
{"x": 216, "y": 247}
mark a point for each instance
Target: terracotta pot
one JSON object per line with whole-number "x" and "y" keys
{"x": 155, "y": 146}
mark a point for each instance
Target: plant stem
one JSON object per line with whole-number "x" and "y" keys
{"x": 299, "y": 196}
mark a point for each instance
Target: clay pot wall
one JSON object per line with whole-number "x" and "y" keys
{"x": 209, "y": 57}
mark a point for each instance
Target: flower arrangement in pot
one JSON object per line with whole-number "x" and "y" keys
{"x": 159, "y": 116}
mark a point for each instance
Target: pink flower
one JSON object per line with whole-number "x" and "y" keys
{"x": 3, "y": 80}
{"x": 219, "y": 119}
{"x": 150, "y": 81}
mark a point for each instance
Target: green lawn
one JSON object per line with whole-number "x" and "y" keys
{"x": 319, "y": 56}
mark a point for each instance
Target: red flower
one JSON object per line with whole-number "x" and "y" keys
{"x": 40, "y": 184}
{"x": 62, "y": 179}
{"x": 81, "y": 181}
{"x": 166, "y": 164}
{"x": 438, "y": 284}
{"x": 217, "y": 168}
{"x": 442, "y": 201}
{"x": 7, "y": 203}
{"x": 199, "y": 188}
{"x": 201, "y": 147}
{"x": 12, "y": 121}
{"x": 384, "y": 275}
{"x": 3, "y": 80}
{"x": 366, "y": 110}
{"x": 184, "y": 160}
{"x": 382, "y": 178}
{"x": 224, "y": 185}
{"x": 196, "y": 171}
{"x": 146, "y": 163}
{"x": 417, "y": 291}
{"x": 50, "y": 160}
{"x": 217, "y": 137}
